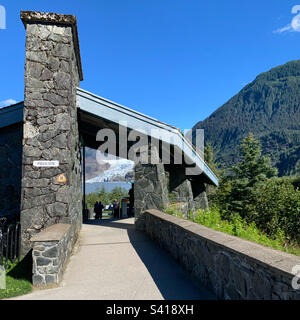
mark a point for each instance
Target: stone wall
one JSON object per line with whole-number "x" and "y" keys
{"x": 200, "y": 197}
{"x": 52, "y": 74}
{"x": 230, "y": 267}
{"x": 52, "y": 248}
{"x": 150, "y": 190}
{"x": 179, "y": 185}
{"x": 10, "y": 170}
{"x": 188, "y": 194}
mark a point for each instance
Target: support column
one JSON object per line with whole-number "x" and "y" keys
{"x": 52, "y": 73}
{"x": 179, "y": 185}
{"x": 200, "y": 197}
{"x": 180, "y": 188}
{"x": 150, "y": 190}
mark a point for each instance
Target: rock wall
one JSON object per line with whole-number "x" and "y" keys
{"x": 50, "y": 125}
{"x": 153, "y": 184}
{"x": 150, "y": 190}
{"x": 179, "y": 185}
{"x": 10, "y": 170}
{"x": 187, "y": 195}
{"x": 51, "y": 254}
{"x": 230, "y": 267}
{"x": 200, "y": 197}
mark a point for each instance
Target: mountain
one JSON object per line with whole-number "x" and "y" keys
{"x": 269, "y": 107}
{"x": 100, "y": 170}
{"x": 117, "y": 168}
{"x": 93, "y": 168}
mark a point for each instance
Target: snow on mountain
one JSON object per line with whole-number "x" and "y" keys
{"x": 118, "y": 167}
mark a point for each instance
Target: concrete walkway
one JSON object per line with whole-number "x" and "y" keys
{"x": 114, "y": 261}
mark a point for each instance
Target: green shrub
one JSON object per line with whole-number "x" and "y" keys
{"x": 277, "y": 206}
{"x": 255, "y": 193}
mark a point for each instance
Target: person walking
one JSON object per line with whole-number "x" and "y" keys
{"x": 131, "y": 200}
{"x": 116, "y": 206}
{"x": 100, "y": 210}
{"x": 96, "y": 209}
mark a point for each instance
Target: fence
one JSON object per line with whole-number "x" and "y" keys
{"x": 10, "y": 242}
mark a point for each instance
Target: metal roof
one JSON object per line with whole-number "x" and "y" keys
{"x": 114, "y": 112}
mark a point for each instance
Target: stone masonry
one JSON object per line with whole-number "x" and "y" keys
{"x": 153, "y": 182}
{"x": 52, "y": 73}
{"x": 232, "y": 268}
{"x": 52, "y": 248}
{"x": 150, "y": 184}
{"x": 199, "y": 194}
{"x": 179, "y": 185}
{"x": 188, "y": 195}
{"x": 150, "y": 190}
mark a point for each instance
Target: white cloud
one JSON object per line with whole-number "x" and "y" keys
{"x": 284, "y": 29}
{"x": 295, "y": 9}
{"x": 6, "y": 103}
{"x": 294, "y": 26}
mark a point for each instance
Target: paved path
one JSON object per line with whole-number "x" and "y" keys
{"x": 114, "y": 261}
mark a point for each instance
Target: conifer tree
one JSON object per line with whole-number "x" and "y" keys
{"x": 209, "y": 158}
{"x": 252, "y": 171}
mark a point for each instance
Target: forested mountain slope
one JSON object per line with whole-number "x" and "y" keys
{"x": 269, "y": 107}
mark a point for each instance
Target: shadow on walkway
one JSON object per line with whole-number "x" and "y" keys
{"x": 173, "y": 282}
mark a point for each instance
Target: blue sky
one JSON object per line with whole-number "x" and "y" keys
{"x": 177, "y": 61}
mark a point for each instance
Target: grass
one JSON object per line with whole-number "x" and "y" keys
{"x": 211, "y": 218}
{"x": 18, "y": 278}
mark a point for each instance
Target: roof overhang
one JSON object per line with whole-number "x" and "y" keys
{"x": 11, "y": 115}
{"x": 99, "y": 112}
{"x": 99, "y": 109}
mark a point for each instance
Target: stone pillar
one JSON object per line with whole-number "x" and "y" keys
{"x": 150, "y": 188}
{"x": 180, "y": 188}
{"x": 199, "y": 193}
{"x": 52, "y": 73}
{"x": 179, "y": 185}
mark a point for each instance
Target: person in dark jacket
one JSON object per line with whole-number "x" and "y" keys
{"x": 96, "y": 209}
{"x": 100, "y": 209}
{"x": 131, "y": 200}
{"x": 116, "y": 206}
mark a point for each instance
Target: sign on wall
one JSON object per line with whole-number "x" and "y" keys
{"x": 43, "y": 163}
{"x": 61, "y": 178}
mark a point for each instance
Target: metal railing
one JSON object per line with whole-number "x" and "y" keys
{"x": 10, "y": 242}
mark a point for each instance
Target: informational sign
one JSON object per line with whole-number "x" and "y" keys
{"x": 61, "y": 178}
{"x": 46, "y": 163}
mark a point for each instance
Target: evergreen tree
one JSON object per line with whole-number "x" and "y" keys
{"x": 209, "y": 158}
{"x": 253, "y": 170}
{"x": 254, "y": 167}
{"x": 268, "y": 107}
